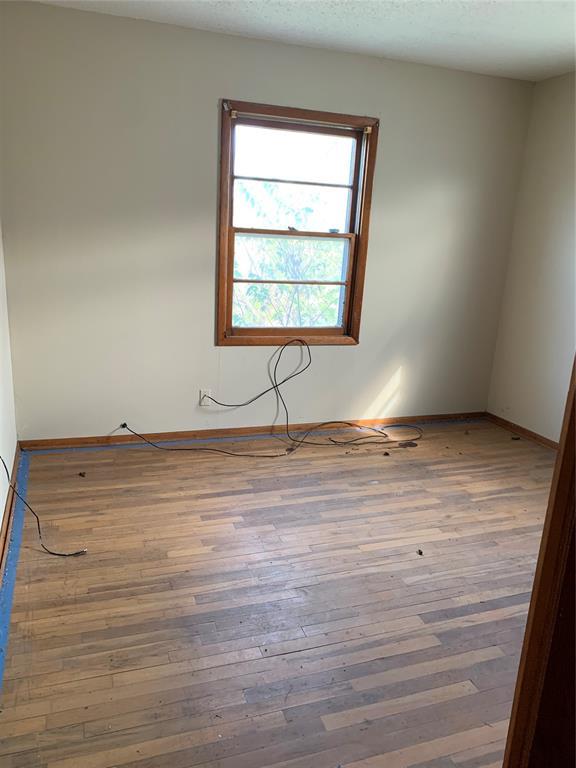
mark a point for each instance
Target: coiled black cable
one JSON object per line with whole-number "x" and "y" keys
{"x": 378, "y": 436}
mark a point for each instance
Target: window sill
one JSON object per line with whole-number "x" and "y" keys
{"x": 276, "y": 341}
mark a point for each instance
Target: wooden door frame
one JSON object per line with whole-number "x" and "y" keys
{"x": 543, "y": 614}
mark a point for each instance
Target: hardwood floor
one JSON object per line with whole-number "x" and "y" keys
{"x": 249, "y": 613}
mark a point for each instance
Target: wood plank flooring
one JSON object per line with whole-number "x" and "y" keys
{"x": 258, "y": 613}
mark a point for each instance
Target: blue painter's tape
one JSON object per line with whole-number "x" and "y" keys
{"x": 9, "y": 580}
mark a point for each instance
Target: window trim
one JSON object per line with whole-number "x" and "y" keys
{"x": 266, "y": 115}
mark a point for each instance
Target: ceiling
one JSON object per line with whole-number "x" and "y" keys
{"x": 525, "y": 39}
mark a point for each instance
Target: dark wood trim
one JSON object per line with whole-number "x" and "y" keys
{"x": 542, "y": 727}
{"x": 295, "y": 113}
{"x": 7, "y": 517}
{"x": 354, "y": 197}
{"x": 366, "y": 131}
{"x": 225, "y": 212}
{"x": 362, "y": 230}
{"x": 232, "y": 432}
{"x": 246, "y": 337}
{"x": 522, "y": 431}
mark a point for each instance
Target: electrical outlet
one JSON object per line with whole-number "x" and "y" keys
{"x": 204, "y": 394}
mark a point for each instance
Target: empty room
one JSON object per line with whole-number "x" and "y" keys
{"x": 287, "y": 336}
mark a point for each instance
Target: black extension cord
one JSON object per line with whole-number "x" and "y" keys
{"x": 38, "y": 524}
{"x": 377, "y": 437}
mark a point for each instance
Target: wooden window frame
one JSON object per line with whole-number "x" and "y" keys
{"x": 366, "y": 130}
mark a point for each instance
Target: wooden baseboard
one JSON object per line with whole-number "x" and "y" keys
{"x": 7, "y": 517}
{"x": 232, "y": 432}
{"x": 522, "y": 431}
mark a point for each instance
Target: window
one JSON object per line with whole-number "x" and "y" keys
{"x": 295, "y": 189}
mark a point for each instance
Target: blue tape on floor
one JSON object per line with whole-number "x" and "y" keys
{"x": 9, "y": 580}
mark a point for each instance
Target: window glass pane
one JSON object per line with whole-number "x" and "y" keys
{"x": 272, "y": 205}
{"x": 261, "y": 257}
{"x": 273, "y": 153}
{"x": 265, "y": 305}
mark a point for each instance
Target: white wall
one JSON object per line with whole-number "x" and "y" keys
{"x": 7, "y": 414}
{"x": 536, "y": 337}
{"x": 110, "y": 163}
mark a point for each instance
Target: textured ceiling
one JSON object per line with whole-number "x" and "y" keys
{"x": 526, "y": 39}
